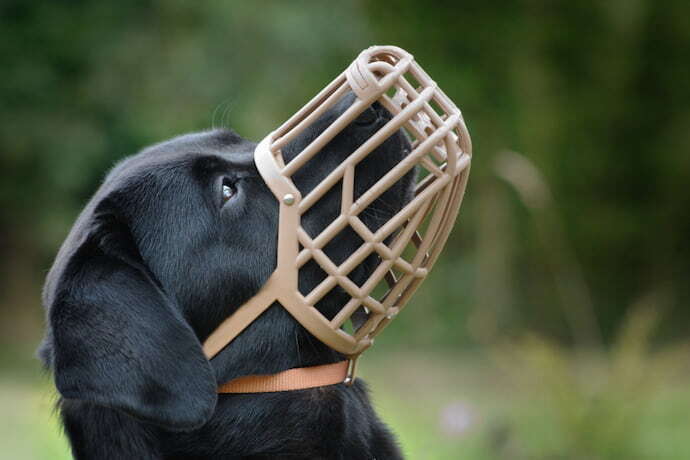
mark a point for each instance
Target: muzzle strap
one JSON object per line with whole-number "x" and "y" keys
{"x": 299, "y": 378}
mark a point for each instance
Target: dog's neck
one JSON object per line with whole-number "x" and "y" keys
{"x": 273, "y": 343}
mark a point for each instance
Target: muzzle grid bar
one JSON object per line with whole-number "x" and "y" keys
{"x": 405, "y": 246}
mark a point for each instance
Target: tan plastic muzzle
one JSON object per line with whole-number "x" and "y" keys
{"x": 406, "y": 246}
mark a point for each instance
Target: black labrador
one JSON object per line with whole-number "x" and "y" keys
{"x": 175, "y": 239}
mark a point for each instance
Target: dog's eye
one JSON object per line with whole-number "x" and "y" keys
{"x": 228, "y": 190}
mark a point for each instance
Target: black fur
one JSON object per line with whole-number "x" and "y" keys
{"x": 156, "y": 261}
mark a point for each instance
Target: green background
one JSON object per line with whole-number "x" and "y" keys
{"x": 555, "y": 325}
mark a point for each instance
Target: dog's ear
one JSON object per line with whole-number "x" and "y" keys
{"x": 115, "y": 338}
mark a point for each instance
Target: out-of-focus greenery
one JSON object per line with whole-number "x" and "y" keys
{"x": 519, "y": 400}
{"x": 577, "y": 213}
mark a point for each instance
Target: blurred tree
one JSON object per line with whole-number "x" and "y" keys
{"x": 595, "y": 94}
{"x": 84, "y": 84}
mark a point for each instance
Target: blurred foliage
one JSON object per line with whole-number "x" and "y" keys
{"x": 593, "y": 94}
{"x": 594, "y": 406}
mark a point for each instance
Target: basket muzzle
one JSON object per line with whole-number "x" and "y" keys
{"x": 400, "y": 251}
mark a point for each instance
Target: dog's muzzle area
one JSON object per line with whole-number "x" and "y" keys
{"x": 367, "y": 173}
{"x": 369, "y": 177}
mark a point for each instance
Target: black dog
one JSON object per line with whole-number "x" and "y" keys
{"x": 176, "y": 238}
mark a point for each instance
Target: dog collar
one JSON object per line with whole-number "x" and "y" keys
{"x": 299, "y": 378}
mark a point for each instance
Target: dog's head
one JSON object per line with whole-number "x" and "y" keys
{"x": 175, "y": 239}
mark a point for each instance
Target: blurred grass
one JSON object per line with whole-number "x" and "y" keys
{"x": 508, "y": 420}
{"x": 516, "y": 402}
{"x": 29, "y": 427}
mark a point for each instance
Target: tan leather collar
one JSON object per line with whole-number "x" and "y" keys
{"x": 292, "y": 379}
